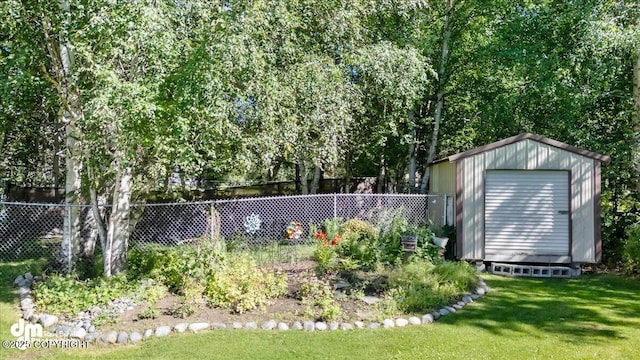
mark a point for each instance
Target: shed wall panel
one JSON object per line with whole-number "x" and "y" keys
{"x": 528, "y": 155}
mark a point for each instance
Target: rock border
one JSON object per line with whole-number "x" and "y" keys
{"x": 82, "y": 329}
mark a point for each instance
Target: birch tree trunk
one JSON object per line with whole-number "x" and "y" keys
{"x": 117, "y": 239}
{"x": 304, "y": 172}
{"x": 412, "y": 168}
{"x": 442, "y": 81}
{"x": 636, "y": 113}
{"x": 315, "y": 183}
{"x": 62, "y": 66}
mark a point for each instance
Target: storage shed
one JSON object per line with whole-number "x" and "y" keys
{"x": 525, "y": 199}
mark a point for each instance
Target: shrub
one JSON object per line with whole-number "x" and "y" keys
{"x": 360, "y": 244}
{"x": 63, "y": 294}
{"x": 422, "y": 286}
{"x": 318, "y": 298}
{"x": 631, "y": 254}
{"x": 240, "y": 285}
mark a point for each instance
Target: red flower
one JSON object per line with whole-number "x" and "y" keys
{"x": 320, "y": 235}
{"x": 335, "y": 240}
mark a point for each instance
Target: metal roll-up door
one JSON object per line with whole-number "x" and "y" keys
{"x": 527, "y": 213}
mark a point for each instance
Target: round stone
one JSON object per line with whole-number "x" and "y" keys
{"x": 297, "y": 325}
{"x": 320, "y": 326}
{"x": 427, "y": 319}
{"x": 123, "y": 337}
{"x": 388, "y": 323}
{"x": 414, "y": 320}
{"x": 135, "y": 337}
{"x": 402, "y": 322}
{"x": 283, "y": 326}
{"x": 269, "y": 325}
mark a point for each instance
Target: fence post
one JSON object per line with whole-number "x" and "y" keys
{"x": 335, "y": 205}
{"x": 69, "y": 235}
{"x": 211, "y": 208}
{"x": 444, "y": 212}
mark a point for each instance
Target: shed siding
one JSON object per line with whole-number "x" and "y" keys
{"x": 529, "y": 155}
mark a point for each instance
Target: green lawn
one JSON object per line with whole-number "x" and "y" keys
{"x": 593, "y": 317}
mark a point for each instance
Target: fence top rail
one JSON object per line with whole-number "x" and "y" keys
{"x": 223, "y": 201}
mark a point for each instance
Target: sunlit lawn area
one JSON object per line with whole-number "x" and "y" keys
{"x": 592, "y": 317}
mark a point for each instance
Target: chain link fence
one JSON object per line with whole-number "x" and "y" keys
{"x": 255, "y": 225}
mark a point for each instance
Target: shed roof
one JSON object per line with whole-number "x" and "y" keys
{"x": 521, "y": 137}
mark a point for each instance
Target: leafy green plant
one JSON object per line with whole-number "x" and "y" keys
{"x": 317, "y": 296}
{"x": 631, "y": 256}
{"x": 421, "y": 286}
{"x": 150, "y": 313}
{"x": 64, "y": 294}
{"x": 240, "y": 285}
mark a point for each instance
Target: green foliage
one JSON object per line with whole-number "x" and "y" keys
{"x": 61, "y": 294}
{"x": 422, "y": 286}
{"x": 632, "y": 250}
{"x": 240, "y": 285}
{"x": 317, "y": 295}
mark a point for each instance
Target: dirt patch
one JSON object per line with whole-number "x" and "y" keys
{"x": 287, "y": 309}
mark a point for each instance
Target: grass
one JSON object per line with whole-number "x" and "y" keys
{"x": 592, "y": 317}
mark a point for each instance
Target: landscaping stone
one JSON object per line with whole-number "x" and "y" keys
{"x": 86, "y": 324}
{"x": 467, "y": 299}
{"x": 402, "y": 322}
{"x": 27, "y": 313}
{"x": 250, "y": 325}
{"x": 443, "y": 312}
{"x": 320, "y": 326}
{"x": 480, "y": 291}
{"x": 26, "y": 302}
{"x": 34, "y": 318}
{"x": 359, "y": 324}
{"x": 451, "y": 310}
{"x": 148, "y": 333}
{"x": 374, "y": 325}
{"x": 309, "y": 326}
{"x": 427, "y": 318}
{"x": 334, "y": 326}
{"x": 195, "y": 327}
{"x": 346, "y": 326}
{"x": 371, "y": 300}
{"x": 23, "y": 292}
{"x": 123, "y": 337}
{"x": 236, "y": 325}
{"x": 91, "y": 329}
{"x": 91, "y": 337}
{"x": 62, "y": 330}
{"x": 388, "y": 323}
{"x": 110, "y": 337}
{"x": 221, "y": 325}
{"x": 269, "y": 325}
{"x": 339, "y": 295}
{"x": 181, "y": 327}
{"x": 283, "y": 326}
{"x": 18, "y": 280}
{"x": 414, "y": 320}
{"x": 297, "y": 325}
{"x": 461, "y": 303}
{"x": 135, "y": 337}
{"x": 78, "y": 333}
{"x": 457, "y": 306}
{"x": 366, "y": 315}
{"x": 163, "y": 331}
{"x": 436, "y": 315}
{"x": 474, "y": 296}
{"x": 47, "y": 320}
{"x": 28, "y": 277}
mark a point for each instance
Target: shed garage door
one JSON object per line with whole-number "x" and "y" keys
{"x": 526, "y": 214}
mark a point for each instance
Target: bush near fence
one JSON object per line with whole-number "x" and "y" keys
{"x": 29, "y": 230}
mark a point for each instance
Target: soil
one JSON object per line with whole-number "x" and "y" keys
{"x": 286, "y": 309}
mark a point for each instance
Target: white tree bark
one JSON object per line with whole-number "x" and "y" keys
{"x": 636, "y": 112}
{"x": 117, "y": 238}
{"x": 62, "y": 67}
{"x": 442, "y": 81}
